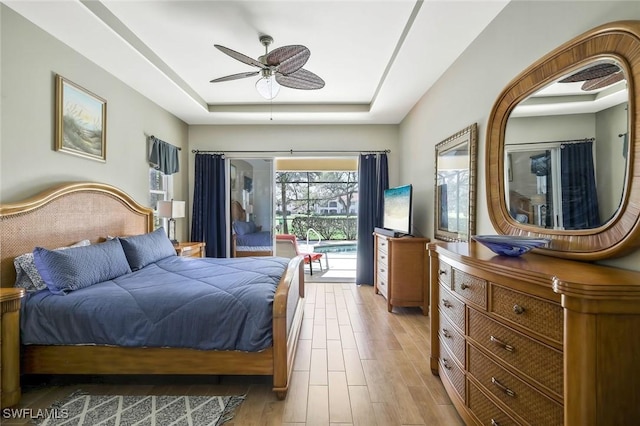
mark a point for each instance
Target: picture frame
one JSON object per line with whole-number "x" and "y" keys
{"x": 248, "y": 184}
{"x": 80, "y": 121}
{"x": 455, "y": 185}
{"x": 233, "y": 177}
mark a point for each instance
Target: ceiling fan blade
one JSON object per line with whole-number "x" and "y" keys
{"x": 301, "y": 79}
{"x": 601, "y": 82}
{"x": 596, "y": 71}
{"x": 235, "y": 76}
{"x": 288, "y": 59}
{"x": 239, "y": 56}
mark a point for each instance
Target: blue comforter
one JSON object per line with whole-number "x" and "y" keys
{"x": 255, "y": 239}
{"x": 223, "y": 304}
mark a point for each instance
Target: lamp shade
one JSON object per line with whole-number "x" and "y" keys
{"x": 171, "y": 209}
{"x": 268, "y": 87}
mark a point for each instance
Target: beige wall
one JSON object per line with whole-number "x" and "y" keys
{"x": 30, "y": 58}
{"x": 28, "y": 161}
{"x": 522, "y": 33}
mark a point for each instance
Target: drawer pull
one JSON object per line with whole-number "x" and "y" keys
{"x": 502, "y": 344}
{"x": 442, "y": 272}
{"x": 446, "y": 333}
{"x": 494, "y": 423}
{"x": 445, "y": 363}
{"x": 446, "y": 303}
{"x": 382, "y": 270}
{"x": 503, "y": 388}
{"x": 464, "y": 286}
{"x": 382, "y": 257}
{"x": 518, "y": 310}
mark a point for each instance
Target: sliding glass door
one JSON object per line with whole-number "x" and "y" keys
{"x": 251, "y": 206}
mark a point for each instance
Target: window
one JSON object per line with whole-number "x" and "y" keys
{"x": 324, "y": 201}
{"x": 160, "y": 188}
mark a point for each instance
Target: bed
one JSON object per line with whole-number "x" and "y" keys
{"x": 73, "y": 212}
{"x": 248, "y": 240}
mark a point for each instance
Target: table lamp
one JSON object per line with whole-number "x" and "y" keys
{"x": 171, "y": 210}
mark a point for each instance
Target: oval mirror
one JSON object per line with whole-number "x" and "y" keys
{"x": 561, "y": 146}
{"x": 566, "y": 150}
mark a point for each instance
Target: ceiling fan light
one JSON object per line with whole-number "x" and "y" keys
{"x": 268, "y": 87}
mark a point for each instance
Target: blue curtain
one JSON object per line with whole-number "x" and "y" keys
{"x": 373, "y": 179}
{"x": 579, "y": 197}
{"x": 164, "y": 156}
{"x": 209, "y": 218}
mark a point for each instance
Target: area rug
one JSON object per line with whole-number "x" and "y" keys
{"x": 140, "y": 410}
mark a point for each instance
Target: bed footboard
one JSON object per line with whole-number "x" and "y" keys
{"x": 288, "y": 308}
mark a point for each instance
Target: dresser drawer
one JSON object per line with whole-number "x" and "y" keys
{"x": 383, "y": 245}
{"x": 383, "y": 287}
{"x": 452, "y": 373}
{"x": 540, "y": 362}
{"x": 538, "y": 315}
{"x": 444, "y": 274}
{"x": 524, "y": 400}
{"x": 382, "y": 256}
{"x": 485, "y": 410}
{"x": 470, "y": 288}
{"x": 452, "y": 307}
{"x": 452, "y": 339}
{"x": 382, "y": 262}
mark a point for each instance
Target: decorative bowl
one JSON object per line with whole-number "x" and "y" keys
{"x": 510, "y": 245}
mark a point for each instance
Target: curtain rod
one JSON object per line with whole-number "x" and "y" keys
{"x": 292, "y": 151}
{"x": 153, "y": 137}
{"x": 552, "y": 142}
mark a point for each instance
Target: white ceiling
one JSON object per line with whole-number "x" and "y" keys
{"x": 377, "y": 57}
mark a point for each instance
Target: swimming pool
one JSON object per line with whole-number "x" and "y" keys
{"x": 349, "y": 247}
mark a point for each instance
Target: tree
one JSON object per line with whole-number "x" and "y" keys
{"x": 343, "y": 187}
{"x": 289, "y": 191}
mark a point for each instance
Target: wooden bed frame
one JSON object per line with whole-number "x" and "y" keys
{"x": 72, "y": 212}
{"x": 239, "y": 213}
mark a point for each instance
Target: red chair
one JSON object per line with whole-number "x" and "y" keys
{"x": 287, "y": 246}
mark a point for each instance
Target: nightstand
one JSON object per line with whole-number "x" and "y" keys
{"x": 188, "y": 249}
{"x": 10, "y": 346}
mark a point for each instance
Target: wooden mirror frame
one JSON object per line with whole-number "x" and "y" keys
{"x": 621, "y": 234}
{"x": 469, "y": 135}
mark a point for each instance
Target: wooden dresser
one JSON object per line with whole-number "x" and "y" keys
{"x": 401, "y": 271}
{"x": 534, "y": 340}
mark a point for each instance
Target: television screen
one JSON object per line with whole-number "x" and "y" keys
{"x": 397, "y": 209}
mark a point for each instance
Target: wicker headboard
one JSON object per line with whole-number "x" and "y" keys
{"x": 64, "y": 215}
{"x": 237, "y": 212}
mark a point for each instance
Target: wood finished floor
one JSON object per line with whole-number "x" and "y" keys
{"x": 356, "y": 364}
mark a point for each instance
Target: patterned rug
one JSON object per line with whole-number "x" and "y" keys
{"x": 141, "y": 410}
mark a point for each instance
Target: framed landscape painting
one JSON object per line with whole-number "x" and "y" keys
{"x": 81, "y": 120}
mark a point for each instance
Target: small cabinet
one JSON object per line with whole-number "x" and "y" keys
{"x": 10, "y": 346}
{"x": 401, "y": 271}
{"x": 190, "y": 249}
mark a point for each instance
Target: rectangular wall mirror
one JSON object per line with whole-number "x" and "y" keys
{"x": 455, "y": 186}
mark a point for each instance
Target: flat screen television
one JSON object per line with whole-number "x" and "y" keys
{"x": 397, "y": 209}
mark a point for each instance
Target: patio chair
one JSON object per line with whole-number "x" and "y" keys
{"x": 287, "y": 246}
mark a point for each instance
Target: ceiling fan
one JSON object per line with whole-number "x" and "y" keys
{"x": 280, "y": 67}
{"x": 596, "y": 76}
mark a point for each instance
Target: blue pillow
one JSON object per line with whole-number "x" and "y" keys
{"x": 242, "y": 228}
{"x": 75, "y": 268}
{"x": 27, "y": 276}
{"x": 142, "y": 250}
